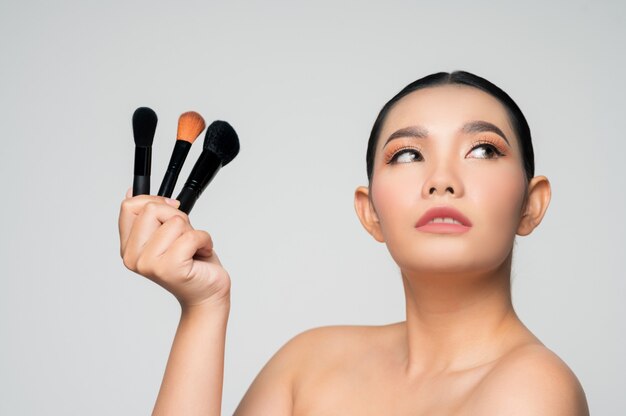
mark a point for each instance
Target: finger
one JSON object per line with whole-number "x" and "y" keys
{"x": 211, "y": 257}
{"x": 146, "y": 222}
{"x": 131, "y": 208}
{"x": 190, "y": 244}
{"x": 165, "y": 236}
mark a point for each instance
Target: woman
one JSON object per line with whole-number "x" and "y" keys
{"x": 451, "y": 182}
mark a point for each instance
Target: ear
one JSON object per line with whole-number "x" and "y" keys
{"x": 536, "y": 204}
{"x": 367, "y": 214}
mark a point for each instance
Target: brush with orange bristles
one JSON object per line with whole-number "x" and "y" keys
{"x": 190, "y": 125}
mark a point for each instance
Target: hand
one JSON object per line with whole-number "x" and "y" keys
{"x": 158, "y": 242}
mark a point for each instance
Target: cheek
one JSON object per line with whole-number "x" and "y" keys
{"x": 499, "y": 195}
{"x": 393, "y": 196}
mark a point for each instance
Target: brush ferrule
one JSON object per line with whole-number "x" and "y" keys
{"x": 143, "y": 156}
{"x": 141, "y": 181}
{"x": 201, "y": 175}
{"x": 203, "y": 171}
{"x": 181, "y": 149}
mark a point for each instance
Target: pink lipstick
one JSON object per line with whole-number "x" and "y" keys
{"x": 443, "y": 220}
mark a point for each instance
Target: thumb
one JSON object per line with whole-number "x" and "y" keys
{"x": 209, "y": 255}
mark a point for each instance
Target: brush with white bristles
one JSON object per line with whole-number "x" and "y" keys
{"x": 190, "y": 125}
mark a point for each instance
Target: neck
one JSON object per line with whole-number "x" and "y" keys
{"x": 457, "y": 321}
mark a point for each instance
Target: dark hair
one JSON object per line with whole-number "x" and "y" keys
{"x": 517, "y": 119}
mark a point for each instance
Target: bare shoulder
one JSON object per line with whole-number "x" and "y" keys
{"x": 308, "y": 353}
{"x": 530, "y": 380}
{"x": 322, "y": 348}
{"x": 333, "y": 338}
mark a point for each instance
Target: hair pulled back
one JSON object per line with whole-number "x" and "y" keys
{"x": 516, "y": 117}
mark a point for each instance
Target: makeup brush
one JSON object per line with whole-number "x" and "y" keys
{"x": 221, "y": 145}
{"x": 144, "y": 126}
{"x": 190, "y": 125}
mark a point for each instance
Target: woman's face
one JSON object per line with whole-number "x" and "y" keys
{"x": 441, "y": 147}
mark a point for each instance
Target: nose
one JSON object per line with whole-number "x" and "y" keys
{"x": 441, "y": 181}
{"x": 433, "y": 190}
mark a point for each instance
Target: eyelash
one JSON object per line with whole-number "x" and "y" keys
{"x": 392, "y": 157}
{"x": 489, "y": 144}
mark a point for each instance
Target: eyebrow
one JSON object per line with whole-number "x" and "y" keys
{"x": 476, "y": 126}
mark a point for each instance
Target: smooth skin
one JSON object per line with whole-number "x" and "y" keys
{"x": 462, "y": 349}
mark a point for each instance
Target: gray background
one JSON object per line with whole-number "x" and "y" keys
{"x": 302, "y": 84}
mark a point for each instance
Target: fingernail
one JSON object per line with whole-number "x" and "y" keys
{"x": 129, "y": 192}
{"x": 172, "y": 202}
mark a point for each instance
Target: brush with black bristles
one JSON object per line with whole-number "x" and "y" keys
{"x": 144, "y": 126}
{"x": 221, "y": 145}
{"x": 190, "y": 125}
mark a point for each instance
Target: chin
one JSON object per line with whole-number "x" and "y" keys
{"x": 453, "y": 259}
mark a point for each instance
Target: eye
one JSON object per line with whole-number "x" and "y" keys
{"x": 405, "y": 155}
{"x": 485, "y": 150}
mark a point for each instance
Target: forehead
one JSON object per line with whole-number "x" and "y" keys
{"x": 442, "y": 110}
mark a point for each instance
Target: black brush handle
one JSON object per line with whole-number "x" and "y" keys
{"x": 181, "y": 149}
{"x": 202, "y": 173}
{"x": 187, "y": 198}
{"x": 141, "y": 185}
{"x": 141, "y": 182}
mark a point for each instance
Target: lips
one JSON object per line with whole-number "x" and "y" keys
{"x": 443, "y": 212}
